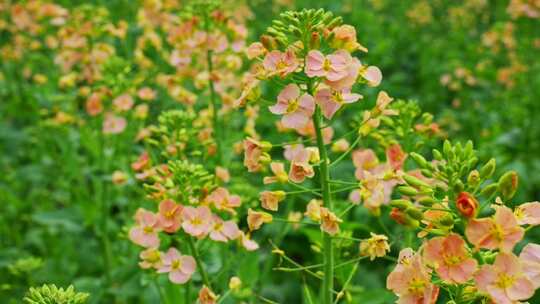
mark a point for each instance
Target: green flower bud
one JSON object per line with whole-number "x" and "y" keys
{"x": 447, "y": 149}
{"x": 406, "y": 190}
{"x": 427, "y": 201}
{"x": 437, "y": 155}
{"x": 458, "y": 150}
{"x": 400, "y": 204}
{"x": 419, "y": 159}
{"x": 414, "y": 213}
{"x": 414, "y": 181}
{"x": 427, "y": 173}
{"x": 489, "y": 190}
{"x": 508, "y": 184}
{"x": 474, "y": 178}
{"x": 458, "y": 186}
{"x": 488, "y": 169}
{"x": 469, "y": 149}
{"x": 472, "y": 162}
{"x": 447, "y": 220}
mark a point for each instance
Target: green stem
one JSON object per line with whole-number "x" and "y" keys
{"x": 104, "y": 206}
{"x": 324, "y": 177}
{"x": 197, "y": 258}
{"x": 213, "y": 97}
{"x": 162, "y": 295}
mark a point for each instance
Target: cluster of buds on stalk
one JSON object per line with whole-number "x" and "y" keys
{"x": 192, "y": 203}
{"x": 309, "y": 56}
{"x": 470, "y": 228}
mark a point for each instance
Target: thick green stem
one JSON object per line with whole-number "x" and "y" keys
{"x": 324, "y": 179}
{"x": 197, "y": 258}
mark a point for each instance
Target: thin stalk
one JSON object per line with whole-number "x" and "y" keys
{"x": 103, "y": 230}
{"x": 324, "y": 177}
{"x": 213, "y": 96}
{"x": 162, "y": 295}
{"x": 351, "y": 147}
{"x": 349, "y": 278}
{"x": 197, "y": 258}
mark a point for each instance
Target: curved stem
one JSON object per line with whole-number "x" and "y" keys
{"x": 324, "y": 178}
{"x": 197, "y": 258}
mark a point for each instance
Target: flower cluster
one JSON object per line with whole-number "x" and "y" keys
{"x": 467, "y": 247}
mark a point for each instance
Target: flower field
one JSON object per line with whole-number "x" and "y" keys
{"x": 258, "y": 151}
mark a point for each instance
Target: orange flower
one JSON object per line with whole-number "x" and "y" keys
{"x": 329, "y": 221}
{"x": 450, "y": 258}
{"x": 256, "y": 219}
{"x": 501, "y": 231}
{"x": 206, "y": 296}
{"x": 467, "y": 205}
{"x": 271, "y": 199}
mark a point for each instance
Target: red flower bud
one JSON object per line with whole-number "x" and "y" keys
{"x": 398, "y": 216}
{"x": 467, "y": 205}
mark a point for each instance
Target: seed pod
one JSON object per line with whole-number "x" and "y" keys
{"x": 406, "y": 190}
{"x": 488, "y": 169}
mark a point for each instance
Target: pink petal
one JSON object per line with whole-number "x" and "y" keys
{"x": 307, "y": 104}
{"x": 178, "y": 277}
{"x": 290, "y": 92}
{"x": 295, "y": 120}
{"x": 279, "y": 108}
{"x": 522, "y": 289}
{"x": 373, "y": 75}
{"x": 188, "y": 264}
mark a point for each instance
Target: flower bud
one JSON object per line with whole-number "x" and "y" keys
{"x": 458, "y": 186}
{"x": 398, "y": 216}
{"x": 447, "y": 220}
{"x": 414, "y": 181}
{"x": 488, "y": 169}
{"x": 474, "y": 178}
{"x": 437, "y": 155}
{"x": 427, "y": 201}
{"x": 508, "y": 184}
{"x": 427, "y": 173}
{"x": 400, "y": 204}
{"x": 489, "y": 190}
{"x": 447, "y": 149}
{"x": 406, "y": 190}
{"x": 235, "y": 283}
{"x": 419, "y": 159}
{"x": 269, "y": 42}
{"x": 414, "y": 213}
{"x": 315, "y": 41}
{"x": 467, "y": 205}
